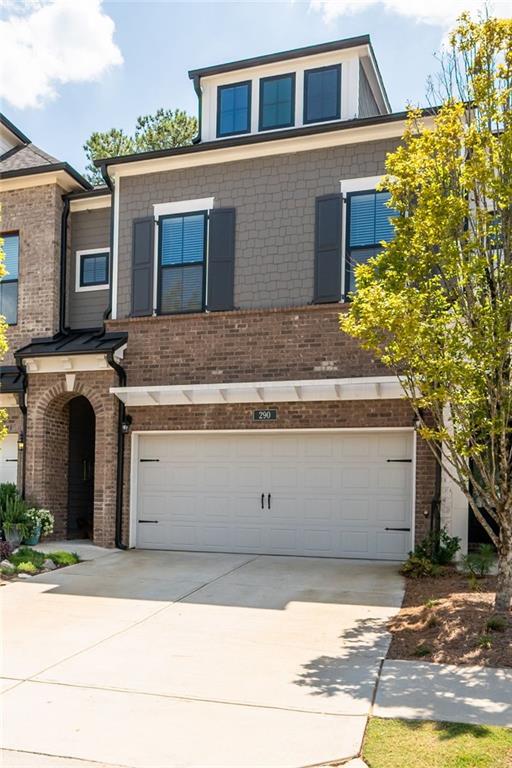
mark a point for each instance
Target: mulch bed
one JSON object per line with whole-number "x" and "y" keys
{"x": 453, "y": 631}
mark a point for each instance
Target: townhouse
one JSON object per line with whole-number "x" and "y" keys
{"x": 176, "y": 376}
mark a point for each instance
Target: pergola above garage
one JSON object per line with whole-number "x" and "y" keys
{"x": 365, "y": 388}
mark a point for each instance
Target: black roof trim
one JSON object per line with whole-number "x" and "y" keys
{"x": 12, "y": 128}
{"x": 260, "y": 138}
{"x": 11, "y": 379}
{"x": 73, "y": 343}
{"x": 50, "y": 168}
{"x": 271, "y": 58}
{"x": 102, "y": 191}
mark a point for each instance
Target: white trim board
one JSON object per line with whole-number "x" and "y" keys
{"x": 183, "y": 206}
{"x": 309, "y": 390}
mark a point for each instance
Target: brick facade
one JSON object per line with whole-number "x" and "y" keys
{"x": 34, "y": 212}
{"x": 47, "y": 447}
{"x": 250, "y": 345}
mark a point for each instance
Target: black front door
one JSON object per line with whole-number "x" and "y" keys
{"x": 81, "y": 469}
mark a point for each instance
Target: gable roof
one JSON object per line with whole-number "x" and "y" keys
{"x": 25, "y": 156}
{"x": 13, "y": 129}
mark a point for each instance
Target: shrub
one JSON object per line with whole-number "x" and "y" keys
{"x": 422, "y": 650}
{"x": 28, "y": 567}
{"x": 28, "y": 555}
{"x": 62, "y": 558}
{"x": 431, "y": 603}
{"x": 478, "y": 564}
{"x": 14, "y": 515}
{"x": 42, "y": 517}
{"x": 474, "y": 584}
{"x": 5, "y": 550}
{"x": 7, "y": 491}
{"x": 439, "y": 547}
{"x": 485, "y": 641}
{"x": 5, "y": 571}
{"x": 496, "y": 624}
{"x": 416, "y": 567}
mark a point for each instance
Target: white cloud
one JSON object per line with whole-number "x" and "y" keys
{"x": 49, "y": 43}
{"x": 441, "y": 13}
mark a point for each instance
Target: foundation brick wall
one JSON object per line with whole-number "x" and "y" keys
{"x": 349, "y": 413}
{"x": 36, "y": 214}
{"x": 248, "y": 345}
{"x": 47, "y": 447}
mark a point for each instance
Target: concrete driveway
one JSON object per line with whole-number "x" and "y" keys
{"x": 167, "y": 659}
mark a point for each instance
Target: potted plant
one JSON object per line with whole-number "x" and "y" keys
{"x": 40, "y": 522}
{"x": 15, "y": 523}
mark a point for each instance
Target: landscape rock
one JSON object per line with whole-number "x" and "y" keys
{"x": 24, "y": 576}
{"x": 6, "y": 564}
{"x": 49, "y": 565}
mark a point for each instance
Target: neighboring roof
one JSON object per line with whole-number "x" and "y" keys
{"x": 100, "y": 191}
{"x": 73, "y": 343}
{"x": 11, "y": 379}
{"x": 26, "y": 156}
{"x": 48, "y": 168}
{"x": 12, "y": 129}
{"x": 271, "y": 58}
{"x": 257, "y": 138}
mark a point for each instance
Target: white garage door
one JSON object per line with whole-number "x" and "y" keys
{"x": 322, "y": 494}
{"x": 9, "y": 459}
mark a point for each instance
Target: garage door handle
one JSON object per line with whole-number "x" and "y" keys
{"x": 263, "y": 501}
{"x": 150, "y": 460}
{"x": 268, "y": 500}
{"x": 148, "y": 521}
{"x": 399, "y": 461}
{"x": 397, "y": 529}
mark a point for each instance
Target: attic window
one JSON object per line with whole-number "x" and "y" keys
{"x": 277, "y": 102}
{"x": 234, "y": 109}
{"x": 322, "y": 94}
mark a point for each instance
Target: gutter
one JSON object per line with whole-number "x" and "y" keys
{"x": 22, "y": 405}
{"x": 121, "y": 374}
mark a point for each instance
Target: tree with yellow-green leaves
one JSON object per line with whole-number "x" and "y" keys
{"x": 435, "y": 304}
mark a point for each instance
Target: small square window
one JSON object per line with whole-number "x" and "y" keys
{"x": 322, "y": 94}
{"x": 277, "y": 102}
{"x": 234, "y": 109}
{"x": 93, "y": 269}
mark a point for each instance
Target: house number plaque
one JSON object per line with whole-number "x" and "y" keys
{"x": 265, "y": 414}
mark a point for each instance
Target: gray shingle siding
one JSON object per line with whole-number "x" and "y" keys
{"x": 89, "y": 229}
{"x": 368, "y": 107}
{"x": 275, "y": 209}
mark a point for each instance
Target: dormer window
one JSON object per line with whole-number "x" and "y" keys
{"x": 234, "y": 109}
{"x": 277, "y": 102}
{"x": 322, "y": 94}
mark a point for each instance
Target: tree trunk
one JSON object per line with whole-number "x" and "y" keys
{"x": 504, "y": 585}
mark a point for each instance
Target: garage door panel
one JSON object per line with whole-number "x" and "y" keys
{"x": 332, "y": 494}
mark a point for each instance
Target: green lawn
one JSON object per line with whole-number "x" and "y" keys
{"x": 427, "y": 744}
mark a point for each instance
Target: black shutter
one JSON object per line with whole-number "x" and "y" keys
{"x": 221, "y": 259}
{"x": 328, "y": 211}
{"x": 142, "y": 266}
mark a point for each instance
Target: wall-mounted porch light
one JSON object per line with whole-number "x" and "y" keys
{"x": 21, "y": 441}
{"x": 127, "y": 423}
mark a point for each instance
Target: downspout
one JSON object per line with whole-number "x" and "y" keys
{"x": 22, "y": 405}
{"x": 197, "y": 89}
{"x": 121, "y": 375}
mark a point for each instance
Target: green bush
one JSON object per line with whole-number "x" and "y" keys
{"x": 496, "y": 624}
{"x": 422, "y": 650}
{"x": 28, "y": 555}
{"x": 28, "y": 567}
{"x": 7, "y": 491}
{"x": 416, "y": 567}
{"x": 14, "y": 516}
{"x": 478, "y": 564}
{"x": 439, "y": 547}
{"x": 485, "y": 641}
{"x": 62, "y": 558}
{"x": 8, "y": 571}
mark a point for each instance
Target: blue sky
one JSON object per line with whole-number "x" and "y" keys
{"x": 160, "y": 41}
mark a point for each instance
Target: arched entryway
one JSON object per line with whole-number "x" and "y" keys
{"x": 82, "y": 438}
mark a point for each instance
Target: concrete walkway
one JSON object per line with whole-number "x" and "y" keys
{"x": 427, "y": 691}
{"x": 167, "y": 659}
